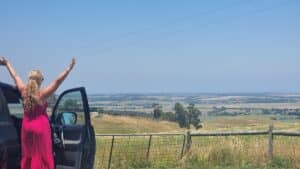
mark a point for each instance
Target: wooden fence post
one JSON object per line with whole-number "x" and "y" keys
{"x": 111, "y": 150}
{"x": 271, "y": 141}
{"x": 188, "y": 141}
{"x": 183, "y": 145}
{"x": 149, "y": 145}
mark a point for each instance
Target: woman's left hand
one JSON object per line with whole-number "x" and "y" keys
{"x": 72, "y": 64}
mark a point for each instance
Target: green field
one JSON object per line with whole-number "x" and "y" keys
{"x": 230, "y": 152}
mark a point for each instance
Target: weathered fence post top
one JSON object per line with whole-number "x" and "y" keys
{"x": 271, "y": 127}
{"x": 188, "y": 141}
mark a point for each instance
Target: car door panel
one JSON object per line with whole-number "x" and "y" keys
{"x": 70, "y": 150}
{"x": 9, "y": 145}
{"x": 9, "y": 139}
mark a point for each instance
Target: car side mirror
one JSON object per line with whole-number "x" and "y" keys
{"x": 68, "y": 118}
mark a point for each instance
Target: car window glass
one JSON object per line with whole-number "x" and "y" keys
{"x": 14, "y": 102}
{"x": 16, "y": 109}
{"x": 3, "y": 110}
{"x": 71, "y": 103}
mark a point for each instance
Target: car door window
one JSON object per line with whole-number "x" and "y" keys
{"x": 16, "y": 109}
{"x": 13, "y": 101}
{"x": 3, "y": 109}
{"x": 69, "y": 104}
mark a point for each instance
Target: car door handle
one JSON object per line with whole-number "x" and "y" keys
{"x": 5, "y": 123}
{"x": 62, "y": 136}
{"x": 73, "y": 142}
{"x": 67, "y": 141}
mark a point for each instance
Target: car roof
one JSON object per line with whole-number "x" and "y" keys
{"x": 6, "y": 85}
{"x": 10, "y": 92}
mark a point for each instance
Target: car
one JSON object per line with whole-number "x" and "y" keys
{"x": 72, "y": 132}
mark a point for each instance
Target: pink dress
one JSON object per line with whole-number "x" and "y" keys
{"x": 36, "y": 139}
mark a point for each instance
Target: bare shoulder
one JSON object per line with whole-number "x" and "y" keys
{"x": 43, "y": 93}
{"x": 22, "y": 90}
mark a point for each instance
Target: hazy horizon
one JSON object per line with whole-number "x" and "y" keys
{"x": 197, "y": 93}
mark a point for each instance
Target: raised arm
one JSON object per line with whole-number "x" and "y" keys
{"x": 51, "y": 88}
{"x": 18, "y": 81}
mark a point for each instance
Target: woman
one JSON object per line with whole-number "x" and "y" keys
{"x": 36, "y": 133}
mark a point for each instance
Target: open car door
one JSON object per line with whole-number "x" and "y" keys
{"x": 73, "y": 134}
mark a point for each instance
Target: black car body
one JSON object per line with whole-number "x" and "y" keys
{"x": 72, "y": 133}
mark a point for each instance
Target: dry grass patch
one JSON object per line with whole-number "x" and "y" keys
{"x": 126, "y": 124}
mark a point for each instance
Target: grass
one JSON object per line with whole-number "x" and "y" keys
{"x": 241, "y": 151}
{"x": 231, "y": 152}
{"x": 126, "y": 124}
{"x": 250, "y": 122}
{"x": 129, "y": 151}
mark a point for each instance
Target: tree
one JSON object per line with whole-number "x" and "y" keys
{"x": 157, "y": 112}
{"x": 180, "y": 113}
{"x": 52, "y": 100}
{"x": 266, "y": 111}
{"x": 100, "y": 110}
{"x": 71, "y": 104}
{"x": 169, "y": 116}
{"x": 194, "y": 116}
{"x": 186, "y": 118}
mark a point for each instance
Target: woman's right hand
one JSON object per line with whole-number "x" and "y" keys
{"x": 50, "y": 89}
{"x": 3, "y": 61}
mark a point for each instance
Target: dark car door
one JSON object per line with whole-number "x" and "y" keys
{"x": 73, "y": 135}
{"x": 9, "y": 137}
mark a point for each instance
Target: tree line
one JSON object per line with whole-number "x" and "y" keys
{"x": 184, "y": 116}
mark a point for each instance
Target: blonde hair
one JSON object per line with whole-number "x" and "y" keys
{"x": 35, "y": 77}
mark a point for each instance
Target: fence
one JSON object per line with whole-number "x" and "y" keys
{"x": 117, "y": 150}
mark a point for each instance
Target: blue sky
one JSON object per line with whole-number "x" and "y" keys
{"x": 157, "y": 46}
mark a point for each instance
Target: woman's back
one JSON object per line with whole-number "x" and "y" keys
{"x": 38, "y": 107}
{"x": 36, "y": 137}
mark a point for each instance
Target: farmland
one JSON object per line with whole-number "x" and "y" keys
{"x": 208, "y": 152}
{"x": 206, "y": 103}
{"x": 132, "y": 113}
